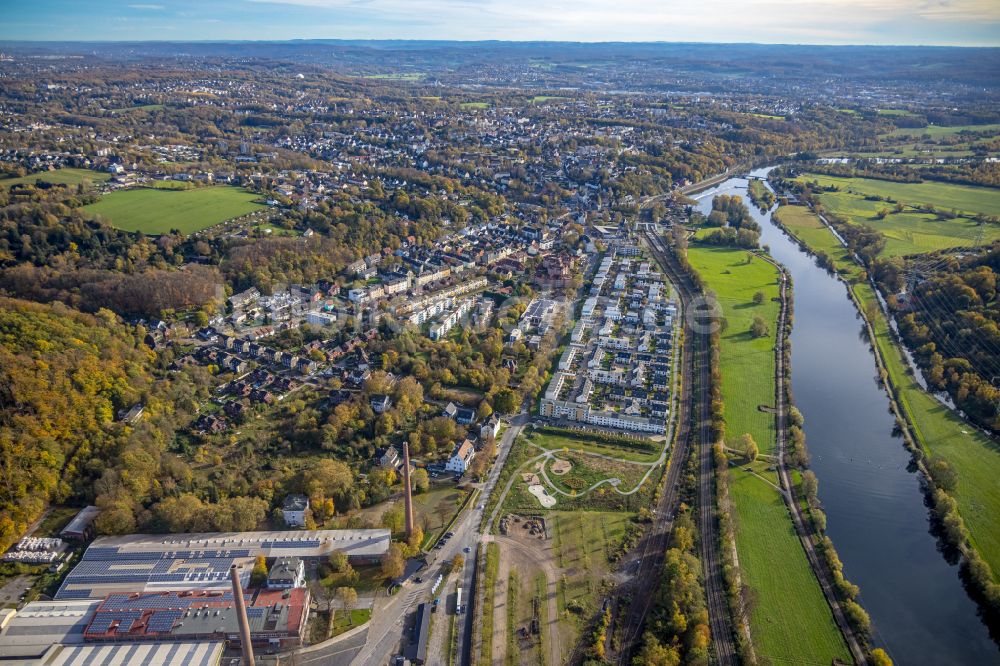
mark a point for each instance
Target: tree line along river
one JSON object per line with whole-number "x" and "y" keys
{"x": 876, "y": 516}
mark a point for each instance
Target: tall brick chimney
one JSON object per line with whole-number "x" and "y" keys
{"x": 241, "y": 617}
{"x": 407, "y": 489}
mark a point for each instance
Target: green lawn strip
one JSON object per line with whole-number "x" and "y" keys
{"x": 747, "y": 363}
{"x": 942, "y": 195}
{"x": 157, "y": 211}
{"x": 490, "y": 572}
{"x": 554, "y": 442}
{"x": 59, "y": 176}
{"x": 939, "y": 431}
{"x": 938, "y": 131}
{"x": 790, "y": 619}
{"x": 357, "y": 617}
{"x": 513, "y": 589}
{"x": 452, "y": 637}
{"x": 541, "y": 588}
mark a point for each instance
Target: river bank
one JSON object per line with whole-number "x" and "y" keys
{"x": 873, "y": 501}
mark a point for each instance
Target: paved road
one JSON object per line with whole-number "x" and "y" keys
{"x": 338, "y": 653}
{"x": 389, "y": 615}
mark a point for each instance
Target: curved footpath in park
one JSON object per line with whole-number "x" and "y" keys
{"x": 875, "y": 509}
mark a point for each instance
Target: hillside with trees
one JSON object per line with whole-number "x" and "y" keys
{"x": 63, "y": 378}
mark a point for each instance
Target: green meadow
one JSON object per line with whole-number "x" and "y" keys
{"x": 790, "y": 621}
{"x": 157, "y": 211}
{"x": 59, "y": 177}
{"x": 938, "y": 131}
{"x": 910, "y": 231}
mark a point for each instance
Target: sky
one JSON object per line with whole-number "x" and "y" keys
{"x": 932, "y": 22}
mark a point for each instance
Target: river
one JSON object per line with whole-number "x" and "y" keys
{"x": 876, "y": 516}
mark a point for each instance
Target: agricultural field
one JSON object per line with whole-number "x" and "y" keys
{"x": 790, "y": 619}
{"x": 157, "y": 211}
{"x": 938, "y": 131}
{"x": 894, "y": 112}
{"x": 939, "y": 431}
{"x": 910, "y": 231}
{"x": 807, "y": 227}
{"x": 945, "y": 196}
{"x": 59, "y": 177}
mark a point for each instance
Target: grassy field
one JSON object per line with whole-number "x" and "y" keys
{"x": 475, "y": 105}
{"x": 489, "y": 590}
{"x": 583, "y": 542}
{"x": 558, "y": 442}
{"x": 143, "y": 107}
{"x": 790, "y": 619}
{"x": 587, "y": 469}
{"x": 938, "y": 131}
{"x": 156, "y": 211}
{"x": 60, "y": 177}
{"x": 747, "y": 363}
{"x": 942, "y": 195}
{"x": 974, "y": 457}
{"x": 346, "y": 622}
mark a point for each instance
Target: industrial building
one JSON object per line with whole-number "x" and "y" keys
{"x": 277, "y": 617}
{"x": 51, "y": 633}
{"x": 178, "y": 562}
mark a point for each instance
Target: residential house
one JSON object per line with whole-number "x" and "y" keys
{"x": 286, "y": 573}
{"x": 461, "y": 457}
{"x": 294, "y": 510}
{"x": 380, "y": 403}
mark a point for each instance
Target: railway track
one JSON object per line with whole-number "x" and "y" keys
{"x": 651, "y": 549}
{"x": 697, "y": 362}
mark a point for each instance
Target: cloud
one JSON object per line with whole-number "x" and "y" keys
{"x": 600, "y": 20}
{"x": 149, "y": 7}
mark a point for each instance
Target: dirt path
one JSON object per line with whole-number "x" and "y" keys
{"x": 499, "y": 610}
{"x": 526, "y": 560}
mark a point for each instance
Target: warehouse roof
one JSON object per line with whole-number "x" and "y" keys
{"x": 148, "y": 654}
{"x": 31, "y": 631}
{"x": 164, "y": 562}
{"x": 196, "y": 614}
{"x": 298, "y": 543}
